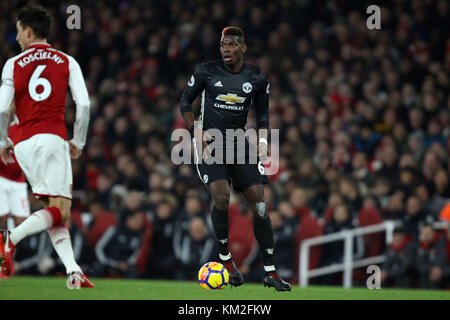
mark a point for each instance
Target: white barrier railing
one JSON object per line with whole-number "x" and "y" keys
{"x": 348, "y": 264}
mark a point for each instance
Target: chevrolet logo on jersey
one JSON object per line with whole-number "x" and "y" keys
{"x": 230, "y": 98}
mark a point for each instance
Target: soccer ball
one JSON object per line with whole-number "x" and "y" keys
{"x": 213, "y": 275}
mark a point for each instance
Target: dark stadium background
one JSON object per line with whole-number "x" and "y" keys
{"x": 363, "y": 118}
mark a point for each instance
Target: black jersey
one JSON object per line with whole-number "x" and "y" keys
{"x": 227, "y": 96}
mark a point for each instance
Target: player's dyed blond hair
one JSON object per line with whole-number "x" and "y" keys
{"x": 234, "y": 31}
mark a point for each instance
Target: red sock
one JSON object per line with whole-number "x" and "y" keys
{"x": 56, "y": 215}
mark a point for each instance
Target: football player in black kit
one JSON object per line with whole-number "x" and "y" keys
{"x": 228, "y": 88}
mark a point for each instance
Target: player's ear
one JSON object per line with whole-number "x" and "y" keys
{"x": 243, "y": 48}
{"x": 28, "y": 32}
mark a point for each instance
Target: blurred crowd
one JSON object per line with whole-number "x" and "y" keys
{"x": 364, "y": 120}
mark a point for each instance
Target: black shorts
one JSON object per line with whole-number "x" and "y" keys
{"x": 241, "y": 176}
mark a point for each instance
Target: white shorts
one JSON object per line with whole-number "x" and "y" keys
{"x": 45, "y": 160}
{"x": 14, "y": 198}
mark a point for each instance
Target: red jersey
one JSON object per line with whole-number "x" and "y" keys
{"x": 12, "y": 171}
{"x": 41, "y": 76}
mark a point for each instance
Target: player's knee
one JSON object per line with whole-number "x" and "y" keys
{"x": 63, "y": 205}
{"x": 45, "y": 202}
{"x": 221, "y": 201}
{"x": 65, "y": 215}
{"x": 260, "y": 210}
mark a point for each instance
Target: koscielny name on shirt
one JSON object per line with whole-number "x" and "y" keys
{"x": 39, "y": 55}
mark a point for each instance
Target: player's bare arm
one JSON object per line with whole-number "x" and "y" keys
{"x": 75, "y": 152}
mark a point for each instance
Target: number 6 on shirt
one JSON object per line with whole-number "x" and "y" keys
{"x": 35, "y": 82}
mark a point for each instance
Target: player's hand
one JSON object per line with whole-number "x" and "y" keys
{"x": 75, "y": 153}
{"x": 206, "y": 137}
{"x": 6, "y": 154}
{"x": 206, "y": 149}
{"x": 262, "y": 151}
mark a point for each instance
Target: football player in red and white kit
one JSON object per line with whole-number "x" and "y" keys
{"x": 37, "y": 79}
{"x": 13, "y": 192}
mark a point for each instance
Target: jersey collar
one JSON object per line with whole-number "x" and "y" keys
{"x": 229, "y": 71}
{"x": 38, "y": 44}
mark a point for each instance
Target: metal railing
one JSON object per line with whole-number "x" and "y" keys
{"x": 348, "y": 264}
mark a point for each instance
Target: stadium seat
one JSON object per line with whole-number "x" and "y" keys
{"x": 241, "y": 234}
{"x": 309, "y": 227}
{"x": 373, "y": 243}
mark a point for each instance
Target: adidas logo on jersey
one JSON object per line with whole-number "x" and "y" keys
{"x": 218, "y": 84}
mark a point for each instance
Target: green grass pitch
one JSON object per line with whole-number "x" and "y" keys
{"x": 54, "y": 288}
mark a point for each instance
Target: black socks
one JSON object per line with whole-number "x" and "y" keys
{"x": 261, "y": 228}
{"x": 264, "y": 235}
{"x": 219, "y": 220}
